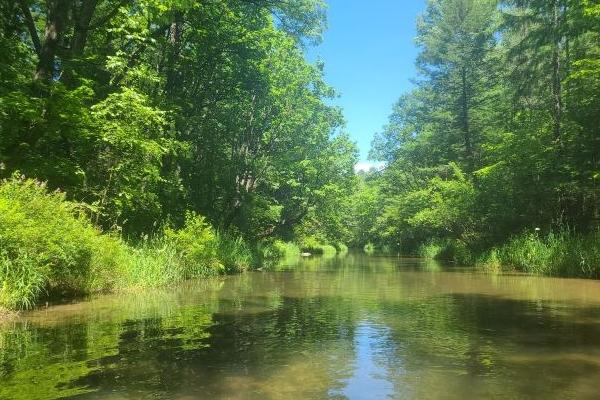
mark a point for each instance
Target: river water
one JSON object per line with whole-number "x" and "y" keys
{"x": 354, "y": 327}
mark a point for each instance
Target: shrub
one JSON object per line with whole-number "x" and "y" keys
{"x": 369, "y": 248}
{"x": 311, "y": 244}
{"x": 48, "y": 245}
{"x": 197, "y": 247}
{"x": 341, "y": 248}
{"x": 431, "y": 250}
{"x": 279, "y": 250}
{"x": 271, "y": 253}
{"x": 453, "y": 250}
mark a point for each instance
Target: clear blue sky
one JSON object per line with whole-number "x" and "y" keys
{"x": 369, "y": 56}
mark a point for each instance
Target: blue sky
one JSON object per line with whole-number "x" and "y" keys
{"x": 369, "y": 56}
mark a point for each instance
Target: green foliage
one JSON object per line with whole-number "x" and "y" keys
{"x": 127, "y": 174}
{"x": 561, "y": 254}
{"x": 499, "y": 134}
{"x": 369, "y": 248}
{"x": 48, "y": 245}
{"x": 22, "y": 281}
{"x": 151, "y": 108}
{"x": 341, "y": 248}
{"x": 234, "y": 253}
{"x": 278, "y": 252}
{"x": 197, "y": 246}
{"x": 447, "y": 250}
{"x": 312, "y": 245}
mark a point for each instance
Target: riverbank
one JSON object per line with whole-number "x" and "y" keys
{"x": 561, "y": 253}
{"x": 49, "y": 247}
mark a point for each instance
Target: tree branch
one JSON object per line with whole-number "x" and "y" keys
{"x": 108, "y": 16}
{"x": 35, "y": 38}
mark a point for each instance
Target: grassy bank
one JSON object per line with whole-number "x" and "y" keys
{"x": 555, "y": 254}
{"x": 49, "y": 247}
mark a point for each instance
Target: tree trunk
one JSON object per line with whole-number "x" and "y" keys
{"x": 30, "y": 25}
{"x": 556, "y": 75}
{"x": 82, "y": 26}
{"x": 465, "y": 125}
{"x": 55, "y": 25}
{"x": 175, "y": 32}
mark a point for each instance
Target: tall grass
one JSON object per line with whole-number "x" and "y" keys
{"x": 557, "y": 253}
{"x": 48, "y": 247}
{"x": 276, "y": 252}
{"x": 234, "y": 253}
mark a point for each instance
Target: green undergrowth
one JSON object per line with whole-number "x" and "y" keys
{"x": 314, "y": 246}
{"x": 451, "y": 250}
{"x": 369, "y": 248}
{"x": 557, "y": 254}
{"x": 561, "y": 253}
{"x": 278, "y": 252}
{"x": 50, "y": 248}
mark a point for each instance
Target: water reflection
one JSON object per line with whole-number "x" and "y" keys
{"x": 372, "y": 375}
{"x": 356, "y": 327}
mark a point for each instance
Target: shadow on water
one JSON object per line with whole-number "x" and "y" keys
{"x": 355, "y": 327}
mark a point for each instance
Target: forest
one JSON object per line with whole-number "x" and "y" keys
{"x": 494, "y": 157}
{"x": 145, "y": 142}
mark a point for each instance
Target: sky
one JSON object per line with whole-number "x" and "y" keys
{"x": 369, "y": 56}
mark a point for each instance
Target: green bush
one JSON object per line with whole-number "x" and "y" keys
{"x": 312, "y": 245}
{"x": 452, "y": 250}
{"x": 277, "y": 251}
{"x": 431, "y": 250}
{"x": 369, "y": 248}
{"x": 47, "y": 246}
{"x": 341, "y": 248}
{"x": 197, "y": 246}
{"x": 284, "y": 250}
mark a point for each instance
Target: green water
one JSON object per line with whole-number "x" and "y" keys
{"x": 356, "y": 327}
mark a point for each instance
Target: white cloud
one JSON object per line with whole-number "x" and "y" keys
{"x": 368, "y": 166}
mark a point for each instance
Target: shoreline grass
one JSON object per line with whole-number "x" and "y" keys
{"x": 561, "y": 253}
{"x": 50, "y": 248}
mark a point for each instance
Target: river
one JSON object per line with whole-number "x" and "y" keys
{"x": 354, "y": 327}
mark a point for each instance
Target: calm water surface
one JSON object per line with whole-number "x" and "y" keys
{"x": 344, "y": 328}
